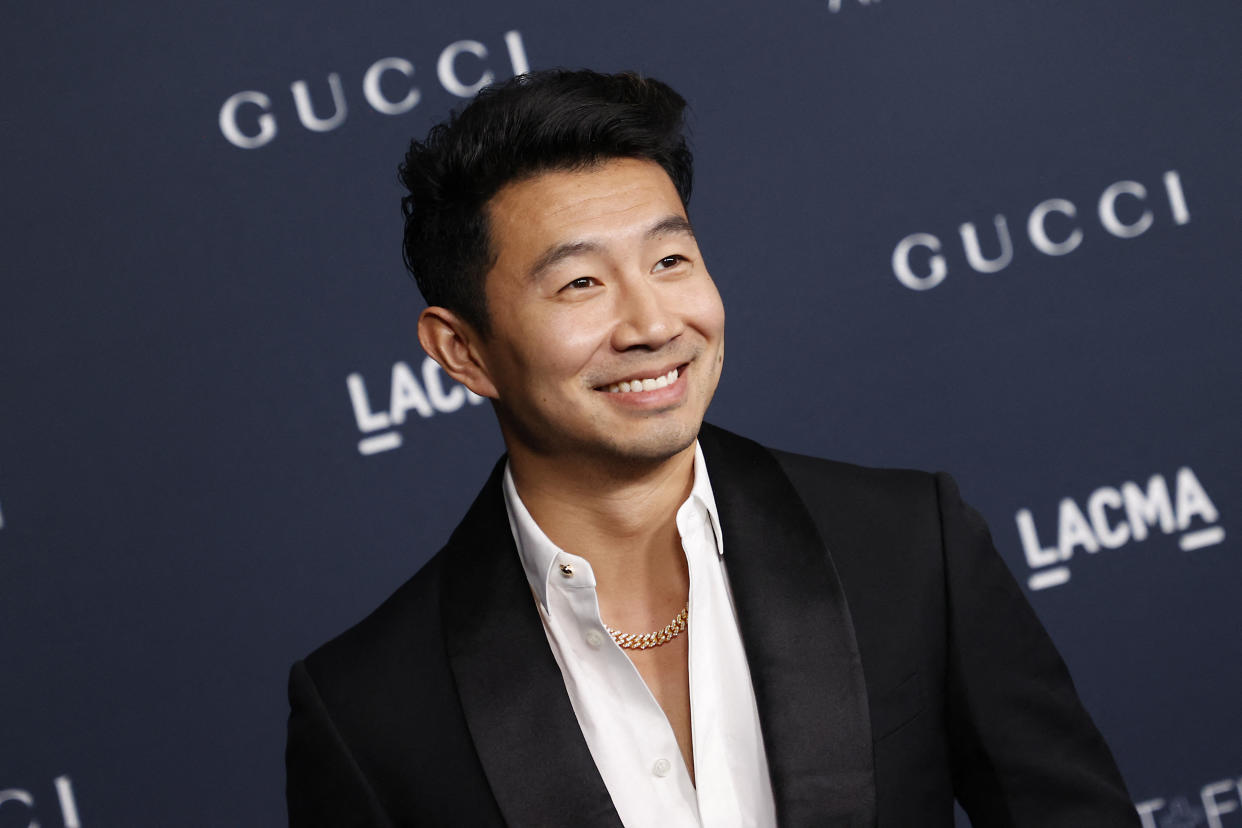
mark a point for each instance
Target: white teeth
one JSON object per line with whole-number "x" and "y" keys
{"x": 662, "y": 381}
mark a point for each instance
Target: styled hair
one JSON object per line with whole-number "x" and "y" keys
{"x": 534, "y": 123}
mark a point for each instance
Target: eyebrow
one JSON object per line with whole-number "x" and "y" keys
{"x": 671, "y": 225}
{"x": 668, "y": 225}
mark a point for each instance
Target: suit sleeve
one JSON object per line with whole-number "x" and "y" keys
{"x": 1024, "y": 751}
{"x": 324, "y": 786}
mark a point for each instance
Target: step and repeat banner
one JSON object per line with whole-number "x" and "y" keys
{"x": 996, "y": 237}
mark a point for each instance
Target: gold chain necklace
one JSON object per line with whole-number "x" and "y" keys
{"x": 633, "y": 641}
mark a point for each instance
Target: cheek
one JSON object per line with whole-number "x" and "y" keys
{"x": 708, "y": 311}
{"x": 557, "y": 348}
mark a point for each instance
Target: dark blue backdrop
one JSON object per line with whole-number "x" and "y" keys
{"x": 204, "y": 471}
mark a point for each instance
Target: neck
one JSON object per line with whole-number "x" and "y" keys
{"x": 621, "y": 518}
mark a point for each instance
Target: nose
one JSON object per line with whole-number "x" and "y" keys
{"x": 646, "y": 316}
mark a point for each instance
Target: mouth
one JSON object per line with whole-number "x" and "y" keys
{"x": 639, "y": 384}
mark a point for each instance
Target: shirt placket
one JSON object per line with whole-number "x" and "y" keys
{"x": 638, "y": 725}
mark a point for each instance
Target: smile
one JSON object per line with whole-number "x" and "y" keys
{"x": 649, "y": 384}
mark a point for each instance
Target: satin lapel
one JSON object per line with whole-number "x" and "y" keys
{"x": 799, "y": 640}
{"x": 516, "y": 706}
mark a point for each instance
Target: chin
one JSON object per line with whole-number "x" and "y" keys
{"x": 657, "y": 444}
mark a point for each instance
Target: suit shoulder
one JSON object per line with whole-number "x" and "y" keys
{"x": 817, "y": 478}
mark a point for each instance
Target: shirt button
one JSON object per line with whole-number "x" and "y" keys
{"x": 595, "y": 638}
{"x": 661, "y": 767}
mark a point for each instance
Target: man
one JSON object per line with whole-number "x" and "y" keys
{"x": 644, "y": 620}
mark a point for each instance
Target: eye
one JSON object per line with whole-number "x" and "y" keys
{"x": 580, "y": 282}
{"x": 669, "y": 262}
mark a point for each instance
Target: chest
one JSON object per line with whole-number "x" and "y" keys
{"x": 666, "y": 672}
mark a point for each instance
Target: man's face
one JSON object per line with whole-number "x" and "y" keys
{"x": 599, "y": 287}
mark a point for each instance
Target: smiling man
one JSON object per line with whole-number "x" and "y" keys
{"x": 645, "y": 620}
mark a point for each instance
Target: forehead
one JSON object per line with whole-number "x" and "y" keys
{"x": 612, "y": 201}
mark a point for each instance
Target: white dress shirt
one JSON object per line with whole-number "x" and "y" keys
{"x": 625, "y": 729}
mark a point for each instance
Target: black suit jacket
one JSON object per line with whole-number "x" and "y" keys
{"x": 895, "y": 662}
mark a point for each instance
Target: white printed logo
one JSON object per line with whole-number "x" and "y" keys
{"x": 247, "y": 121}
{"x": 1139, "y": 219}
{"x": 1116, "y": 516}
{"x": 1215, "y": 799}
{"x": 834, "y": 6}
{"x": 64, "y": 797}
{"x": 406, "y": 394}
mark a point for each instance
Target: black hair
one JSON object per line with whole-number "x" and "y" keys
{"x": 534, "y": 123}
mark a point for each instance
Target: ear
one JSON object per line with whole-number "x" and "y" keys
{"x": 454, "y": 343}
